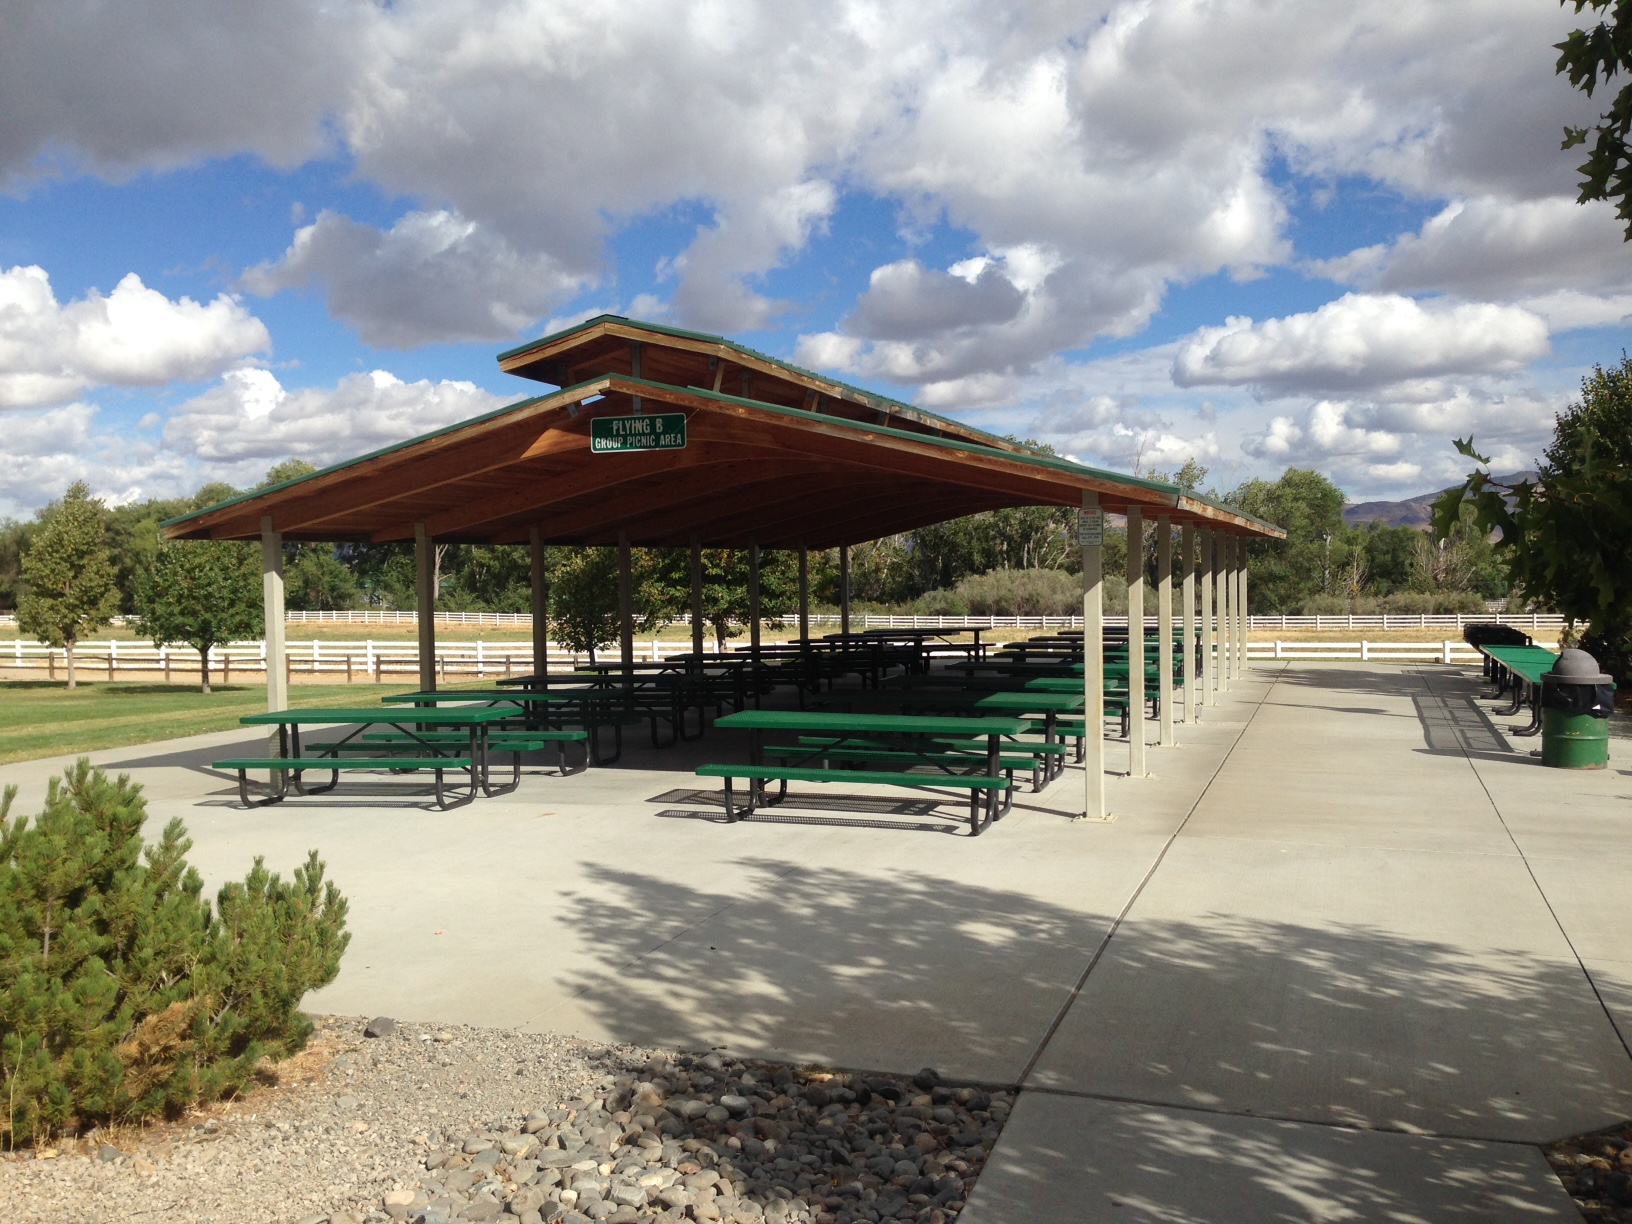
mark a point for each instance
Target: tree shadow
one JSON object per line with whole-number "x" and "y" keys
{"x": 1063, "y": 1159}
{"x": 893, "y": 970}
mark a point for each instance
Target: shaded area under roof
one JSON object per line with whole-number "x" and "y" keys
{"x": 752, "y": 470}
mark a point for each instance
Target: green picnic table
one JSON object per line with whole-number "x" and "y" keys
{"x": 915, "y": 735}
{"x": 436, "y": 754}
{"x": 1521, "y": 668}
{"x": 976, "y": 702}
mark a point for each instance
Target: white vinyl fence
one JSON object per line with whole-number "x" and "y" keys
{"x": 393, "y": 663}
{"x": 388, "y": 662}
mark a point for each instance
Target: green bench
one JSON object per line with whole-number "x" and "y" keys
{"x": 1015, "y": 754}
{"x": 284, "y": 767}
{"x": 979, "y": 786}
{"x": 515, "y": 741}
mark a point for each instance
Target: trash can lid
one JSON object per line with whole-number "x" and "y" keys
{"x": 1576, "y": 667}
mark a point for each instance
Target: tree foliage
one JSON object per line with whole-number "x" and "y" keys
{"x": 204, "y": 593}
{"x": 70, "y": 576}
{"x": 1592, "y": 58}
{"x": 1566, "y": 537}
{"x": 123, "y": 993}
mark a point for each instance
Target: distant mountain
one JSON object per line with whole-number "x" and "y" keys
{"x": 1412, "y": 512}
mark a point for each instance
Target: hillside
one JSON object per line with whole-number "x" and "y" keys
{"x": 1409, "y": 512}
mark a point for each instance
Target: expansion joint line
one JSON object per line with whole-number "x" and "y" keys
{"x": 1496, "y": 808}
{"x": 1116, "y": 923}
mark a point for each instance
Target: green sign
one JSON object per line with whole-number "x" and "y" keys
{"x": 660, "y": 431}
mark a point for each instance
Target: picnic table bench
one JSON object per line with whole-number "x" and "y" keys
{"x": 923, "y": 764}
{"x": 437, "y": 754}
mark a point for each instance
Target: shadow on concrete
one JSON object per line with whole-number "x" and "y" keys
{"x": 195, "y": 759}
{"x": 1455, "y": 723}
{"x": 1343, "y": 1023}
{"x": 1063, "y": 1159}
{"x": 895, "y": 970}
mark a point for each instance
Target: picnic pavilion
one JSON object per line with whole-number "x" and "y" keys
{"x": 660, "y": 437}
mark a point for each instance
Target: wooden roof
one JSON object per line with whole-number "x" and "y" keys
{"x": 753, "y": 469}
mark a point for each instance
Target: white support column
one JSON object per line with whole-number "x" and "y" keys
{"x": 541, "y": 608}
{"x": 804, "y": 592}
{"x": 425, "y": 606}
{"x": 277, "y": 649}
{"x": 1091, "y": 538}
{"x": 1241, "y": 606}
{"x": 1164, "y": 630}
{"x": 844, "y": 588}
{"x": 696, "y": 596}
{"x": 753, "y": 597}
{"x": 1209, "y": 665}
{"x": 626, "y": 609}
{"x": 1187, "y": 551}
{"x": 1136, "y": 643}
{"x": 1221, "y": 596}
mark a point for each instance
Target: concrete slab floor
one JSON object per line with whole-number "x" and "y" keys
{"x": 1344, "y": 898}
{"x": 1069, "y": 1159}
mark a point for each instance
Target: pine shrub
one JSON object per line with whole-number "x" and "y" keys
{"x": 123, "y": 993}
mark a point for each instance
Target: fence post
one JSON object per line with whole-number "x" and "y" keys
{"x": 1365, "y": 651}
{"x": 481, "y": 659}
{"x": 1279, "y": 654}
{"x": 1446, "y": 658}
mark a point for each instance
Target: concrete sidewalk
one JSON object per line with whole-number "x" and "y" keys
{"x": 1343, "y": 956}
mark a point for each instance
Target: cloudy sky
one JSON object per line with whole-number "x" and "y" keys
{"x": 1255, "y": 232}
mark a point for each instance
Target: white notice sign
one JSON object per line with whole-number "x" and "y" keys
{"x": 1091, "y": 528}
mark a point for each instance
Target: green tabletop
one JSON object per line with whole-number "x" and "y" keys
{"x": 445, "y": 697}
{"x": 1023, "y": 702}
{"x": 988, "y": 684}
{"x": 905, "y": 724}
{"x": 376, "y": 714}
{"x": 1528, "y": 662}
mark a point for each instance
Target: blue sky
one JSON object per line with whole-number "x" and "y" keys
{"x": 1253, "y": 234}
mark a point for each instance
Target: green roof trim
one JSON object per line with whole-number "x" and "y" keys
{"x": 374, "y": 454}
{"x": 1025, "y": 455}
{"x": 871, "y": 399}
{"x": 1029, "y": 456}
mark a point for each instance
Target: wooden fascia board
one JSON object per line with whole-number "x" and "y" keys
{"x": 1205, "y": 514}
{"x": 870, "y": 445}
{"x": 241, "y": 519}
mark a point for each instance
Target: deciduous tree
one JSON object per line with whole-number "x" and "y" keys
{"x": 69, "y": 574}
{"x": 1567, "y": 536}
{"x": 204, "y": 593}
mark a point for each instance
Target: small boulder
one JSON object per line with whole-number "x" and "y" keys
{"x": 380, "y": 1026}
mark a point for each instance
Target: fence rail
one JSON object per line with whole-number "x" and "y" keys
{"x": 376, "y": 662}
{"x": 379, "y": 662}
{"x": 875, "y": 620}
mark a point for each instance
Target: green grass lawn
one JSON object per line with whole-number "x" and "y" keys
{"x": 39, "y": 718}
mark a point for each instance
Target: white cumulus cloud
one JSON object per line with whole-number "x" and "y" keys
{"x": 250, "y": 419}
{"x": 1360, "y": 342}
{"x": 134, "y": 336}
{"x": 433, "y": 276}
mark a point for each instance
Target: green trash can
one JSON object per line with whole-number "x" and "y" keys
{"x": 1576, "y": 700}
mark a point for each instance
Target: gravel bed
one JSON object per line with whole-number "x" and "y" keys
{"x": 1596, "y": 1169}
{"x": 435, "y": 1124}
